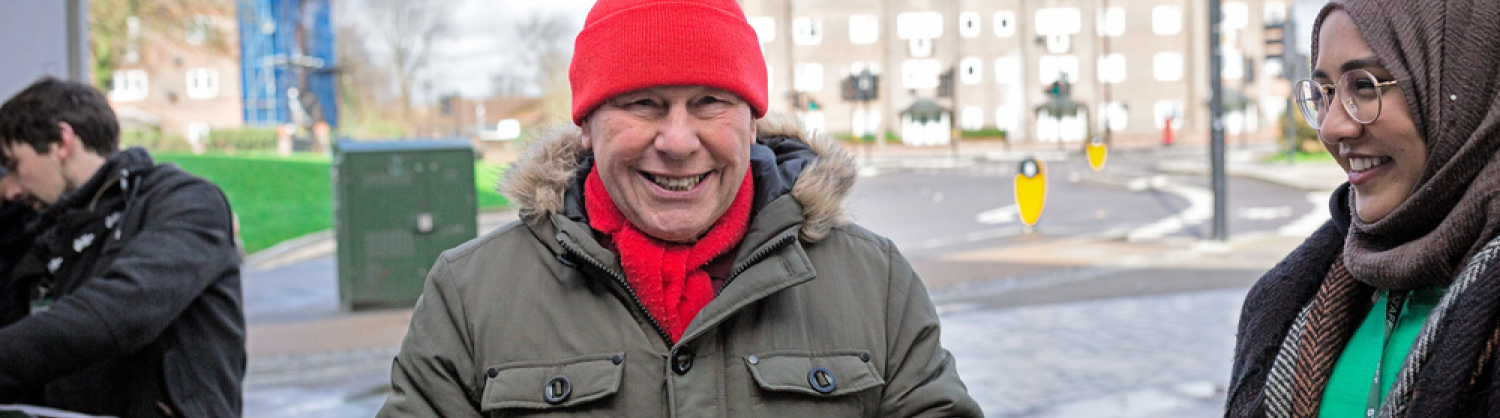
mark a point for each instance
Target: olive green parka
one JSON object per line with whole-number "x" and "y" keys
{"x": 817, "y": 318}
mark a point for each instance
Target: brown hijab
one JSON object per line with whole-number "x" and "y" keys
{"x": 1446, "y": 54}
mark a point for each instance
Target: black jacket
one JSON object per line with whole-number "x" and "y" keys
{"x": 144, "y": 279}
{"x": 14, "y": 242}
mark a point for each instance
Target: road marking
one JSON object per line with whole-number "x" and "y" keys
{"x": 1001, "y": 215}
{"x": 1200, "y": 209}
{"x": 1310, "y": 222}
{"x": 1264, "y": 213}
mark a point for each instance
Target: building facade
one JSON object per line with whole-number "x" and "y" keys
{"x": 1130, "y": 66}
{"x": 182, "y": 87}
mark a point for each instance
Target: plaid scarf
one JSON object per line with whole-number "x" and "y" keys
{"x": 1446, "y": 363}
{"x": 668, "y": 277}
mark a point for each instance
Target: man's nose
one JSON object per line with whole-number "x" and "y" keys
{"x": 679, "y": 134}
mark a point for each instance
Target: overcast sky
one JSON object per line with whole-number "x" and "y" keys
{"x": 481, "y": 41}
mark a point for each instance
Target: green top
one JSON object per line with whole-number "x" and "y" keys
{"x": 1349, "y": 386}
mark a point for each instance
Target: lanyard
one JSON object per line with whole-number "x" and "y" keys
{"x": 1393, "y": 304}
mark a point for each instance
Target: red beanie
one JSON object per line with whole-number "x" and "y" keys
{"x": 629, "y": 45}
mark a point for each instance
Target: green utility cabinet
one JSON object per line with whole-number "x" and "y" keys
{"x": 397, "y": 205}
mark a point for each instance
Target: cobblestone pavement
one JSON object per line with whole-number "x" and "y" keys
{"x": 1153, "y": 356}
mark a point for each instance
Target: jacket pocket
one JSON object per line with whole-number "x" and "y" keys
{"x": 552, "y": 385}
{"x": 825, "y": 374}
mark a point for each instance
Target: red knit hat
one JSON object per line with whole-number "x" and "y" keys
{"x": 629, "y": 45}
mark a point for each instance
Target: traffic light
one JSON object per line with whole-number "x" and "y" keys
{"x": 1276, "y": 42}
{"x": 847, "y": 90}
{"x": 865, "y": 86}
{"x": 945, "y": 84}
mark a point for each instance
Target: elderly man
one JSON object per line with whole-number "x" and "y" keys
{"x": 131, "y": 296}
{"x": 674, "y": 257}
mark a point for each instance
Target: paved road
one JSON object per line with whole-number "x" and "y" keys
{"x": 1114, "y": 308}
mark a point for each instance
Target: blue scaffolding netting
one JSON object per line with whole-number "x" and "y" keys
{"x": 284, "y": 80}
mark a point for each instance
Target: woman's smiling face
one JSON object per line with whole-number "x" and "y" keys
{"x": 1384, "y": 158}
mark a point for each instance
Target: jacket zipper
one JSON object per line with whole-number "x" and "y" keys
{"x": 755, "y": 257}
{"x": 620, "y": 278}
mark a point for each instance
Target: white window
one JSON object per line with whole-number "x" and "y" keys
{"x": 1167, "y": 66}
{"x": 1005, "y": 23}
{"x": 1007, "y": 70}
{"x": 1112, "y": 21}
{"x": 1116, "y": 116}
{"x": 1168, "y": 108}
{"x": 1055, "y": 67}
{"x": 864, "y": 29}
{"x": 1272, "y": 67}
{"x": 202, "y": 83}
{"x": 972, "y": 118}
{"x": 971, "y": 70}
{"x": 1005, "y": 119}
{"x": 198, "y": 28}
{"x": 807, "y": 31}
{"x": 813, "y": 120}
{"x": 920, "y": 47}
{"x": 914, "y": 25}
{"x": 1274, "y": 12}
{"x": 128, "y": 85}
{"x": 1236, "y": 15}
{"x": 1112, "y": 68}
{"x": 920, "y": 74}
{"x": 809, "y": 77}
{"x": 1058, "y": 21}
{"x": 765, "y": 28}
{"x": 132, "y": 36}
{"x": 1234, "y": 63}
{"x": 197, "y": 133}
{"x": 1166, "y": 20}
{"x": 864, "y": 122}
{"x": 968, "y": 24}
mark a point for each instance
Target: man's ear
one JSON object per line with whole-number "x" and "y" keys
{"x": 586, "y": 140}
{"x": 68, "y": 142}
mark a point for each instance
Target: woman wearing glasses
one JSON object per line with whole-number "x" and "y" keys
{"x": 1391, "y": 308}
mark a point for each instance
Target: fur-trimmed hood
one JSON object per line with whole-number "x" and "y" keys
{"x": 540, "y": 182}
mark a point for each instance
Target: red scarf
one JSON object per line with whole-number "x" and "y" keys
{"x": 668, "y": 277}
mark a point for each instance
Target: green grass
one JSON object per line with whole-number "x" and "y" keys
{"x": 280, "y": 198}
{"x": 1302, "y": 157}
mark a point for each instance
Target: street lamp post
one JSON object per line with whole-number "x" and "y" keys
{"x": 1216, "y": 120}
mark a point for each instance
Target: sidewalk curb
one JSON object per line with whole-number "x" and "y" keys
{"x": 307, "y": 246}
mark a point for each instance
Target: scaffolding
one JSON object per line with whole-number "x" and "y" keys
{"x": 275, "y": 64}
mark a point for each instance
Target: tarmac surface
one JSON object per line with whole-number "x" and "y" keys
{"x": 1022, "y": 350}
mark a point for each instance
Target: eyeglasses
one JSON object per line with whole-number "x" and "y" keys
{"x": 1358, "y": 91}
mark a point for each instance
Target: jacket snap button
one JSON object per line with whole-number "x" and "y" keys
{"x": 754, "y": 360}
{"x": 682, "y": 360}
{"x": 493, "y": 372}
{"x": 822, "y": 380}
{"x": 557, "y": 390}
{"x": 617, "y": 359}
{"x": 865, "y": 357}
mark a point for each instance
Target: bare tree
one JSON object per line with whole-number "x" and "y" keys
{"x": 409, "y": 29}
{"x": 541, "y": 65}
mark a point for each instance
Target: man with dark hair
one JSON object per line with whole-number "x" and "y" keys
{"x": 131, "y": 294}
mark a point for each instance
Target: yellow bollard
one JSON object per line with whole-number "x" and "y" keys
{"x": 1098, "y": 153}
{"x": 1031, "y": 191}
